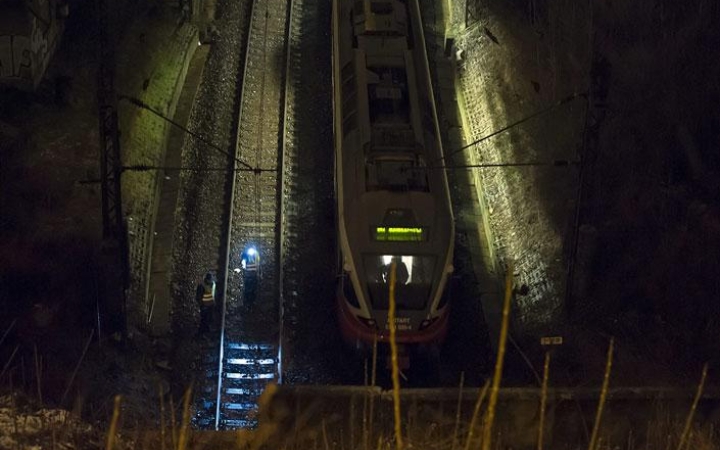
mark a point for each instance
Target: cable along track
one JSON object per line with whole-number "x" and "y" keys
{"x": 250, "y": 330}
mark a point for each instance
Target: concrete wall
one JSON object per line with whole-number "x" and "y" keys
{"x": 434, "y": 418}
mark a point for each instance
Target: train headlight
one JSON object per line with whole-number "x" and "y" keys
{"x": 426, "y": 323}
{"x": 370, "y": 323}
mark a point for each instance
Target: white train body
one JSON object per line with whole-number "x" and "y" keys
{"x": 391, "y": 204}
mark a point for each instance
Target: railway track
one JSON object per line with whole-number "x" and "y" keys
{"x": 308, "y": 247}
{"x": 249, "y": 348}
{"x": 285, "y": 210}
{"x": 284, "y": 121}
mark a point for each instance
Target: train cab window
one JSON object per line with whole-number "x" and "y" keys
{"x": 413, "y": 280}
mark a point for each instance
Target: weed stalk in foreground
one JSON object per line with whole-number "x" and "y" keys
{"x": 543, "y": 400}
{"x": 497, "y": 376}
{"x": 173, "y": 426}
{"x": 476, "y": 413}
{"x": 688, "y": 421}
{"x": 394, "y": 359}
{"x": 162, "y": 418}
{"x": 184, "y": 435}
{"x": 457, "y": 410}
{"x": 113, "y": 424}
{"x": 603, "y": 396}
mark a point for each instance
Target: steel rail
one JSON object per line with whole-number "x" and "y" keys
{"x": 281, "y": 191}
{"x": 230, "y": 204}
{"x": 254, "y": 131}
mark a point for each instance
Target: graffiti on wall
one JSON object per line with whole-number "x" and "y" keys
{"x": 15, "y": 57}
{"x": 45, "y": 34}
{"x": 25, "y": 57}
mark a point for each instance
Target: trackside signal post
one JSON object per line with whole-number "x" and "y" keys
{"x": 115, "y": 267}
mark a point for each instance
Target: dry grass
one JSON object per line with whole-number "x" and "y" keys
{"x": 671, "y": 429}
{"x": 322, "y": 433}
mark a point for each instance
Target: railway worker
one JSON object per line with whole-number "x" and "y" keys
{"x": 250, "y": 260}
{"x": 206, "y": 298}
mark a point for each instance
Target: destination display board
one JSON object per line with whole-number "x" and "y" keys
{"x": 399, "y": 234}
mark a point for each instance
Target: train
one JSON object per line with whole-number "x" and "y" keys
{"x": 393, "y": 200}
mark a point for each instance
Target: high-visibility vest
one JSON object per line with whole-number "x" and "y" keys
{"x": 252, "y": 262}
{"x": 208, "y": 297}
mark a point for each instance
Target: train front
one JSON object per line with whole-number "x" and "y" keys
{"x": 393, "y": 209}
{"x": 393, "y": 228}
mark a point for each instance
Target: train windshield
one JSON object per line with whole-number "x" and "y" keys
{"x": 413, "y": 280}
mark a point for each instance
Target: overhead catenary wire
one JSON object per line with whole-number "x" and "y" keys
{"x": 257, "y": 170}
{"x": 140, "y": 104}
{"x": 148, "y": 167}
{"x": 557, "y": 104}
{"x": 248, "y": 168}
{"x": 556, "y": 163}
